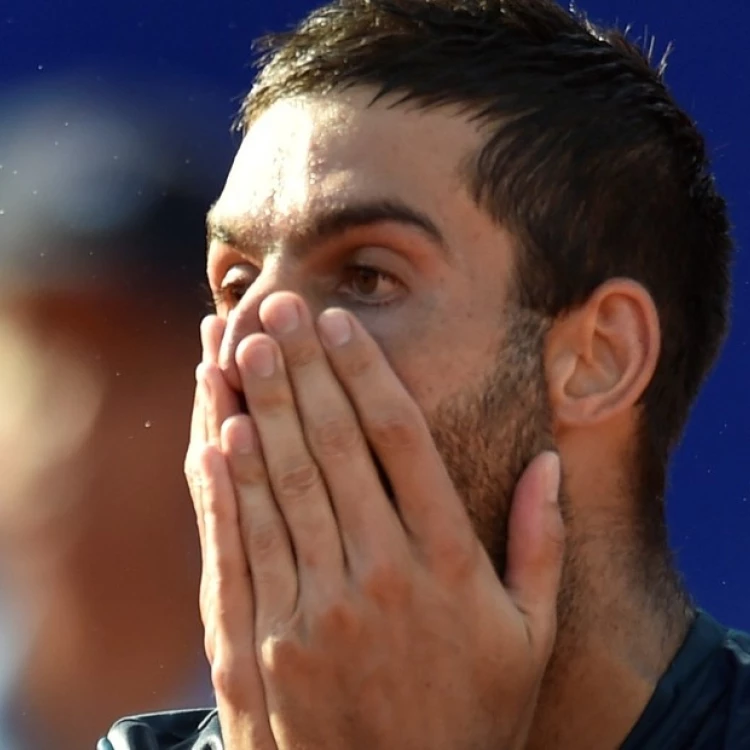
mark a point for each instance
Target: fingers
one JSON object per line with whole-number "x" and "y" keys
{"x": 226, "y": 571}
{"x": 211, "y": 327}
{"x": 226, "y": 598}
{"x": 265, "y": 538}
{"x": 214, "y": 402}
{"x": 332, "y": 431}
{"x": 198, "y": 439}
{"x": 536, "y": 547}
{"x": 212, "y": 331}
{"x": 398, "y": 433}
{"x": 229, "y": 624}
{"x": 221, "y": 400}
{"x": 208, "y": 409}
{"x": 227, "y": 576}
{"x": 198, "y": 431}
{"x": 293, "y": 474}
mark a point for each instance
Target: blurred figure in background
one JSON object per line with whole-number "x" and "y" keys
{"x": 101, "y": 267}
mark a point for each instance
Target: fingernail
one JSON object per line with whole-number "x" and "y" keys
{"x": 552, "y": 477}
{"x": 283, "y": 318}
{"x": 262, "y": 360}
{"x": 335, "y": 327}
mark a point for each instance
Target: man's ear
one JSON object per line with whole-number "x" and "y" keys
{"x": 600, "y": 358}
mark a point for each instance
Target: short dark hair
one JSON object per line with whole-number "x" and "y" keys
{"x": 588, "y": 159}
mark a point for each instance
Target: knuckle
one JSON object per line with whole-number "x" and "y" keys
{"x": 265, "y": 539}
{"x": 209, "y": 645}
{"x": 283, "y": 657}
{"x": 229, "y": 677}
{"x": 455, "y": 557}
{"x": 247, "y": 469}
{"x": 222, "y": 677}
{"x": 301, "y": 354}
{"x": 336, "y": 438}
{"x": 298, "y": 481}
{"x": 268, "y": 578}
{"x": 214, "y": 505}
{"x": 191, "y": 467}
{"x": 273, "y": 398}
{"x": 339, "y": 622}
{"x": 394, "y": 431}
{"x": 308, "y": 556}
{"x": 388, "y": 585}
{"x": 356, "y": 363}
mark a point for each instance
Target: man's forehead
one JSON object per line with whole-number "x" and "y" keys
{"x": 296, "y": 142}
{"x": 308, "y": 155}
{"x": 258, "y": 212}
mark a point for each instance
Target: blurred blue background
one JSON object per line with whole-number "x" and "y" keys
{"x": 201, "y": 51}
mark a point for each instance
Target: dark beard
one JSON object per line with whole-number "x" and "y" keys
{"x": 488, "y": 433}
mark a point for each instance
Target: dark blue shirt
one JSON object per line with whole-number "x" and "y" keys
{"x": 703, "y": 700}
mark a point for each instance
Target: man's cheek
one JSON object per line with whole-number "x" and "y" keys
{"x": 405, "y": 343}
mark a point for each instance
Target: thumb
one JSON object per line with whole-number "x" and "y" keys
{"x": 536, "y": 537}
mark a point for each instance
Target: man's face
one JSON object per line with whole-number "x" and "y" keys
{"x": 365, "y": 208}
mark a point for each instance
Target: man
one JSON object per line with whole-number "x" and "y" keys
{"x": 462, "y": 244}
{"x": 94, "y": 526}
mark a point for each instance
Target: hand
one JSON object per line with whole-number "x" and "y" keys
{"x": 225, "y": 580}
{"x": 375, "y": 624}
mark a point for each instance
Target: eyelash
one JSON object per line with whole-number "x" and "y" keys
{"x": 381, "y": 275}
{"x": 211, "y": 299}
{"x": 230, "y": 294}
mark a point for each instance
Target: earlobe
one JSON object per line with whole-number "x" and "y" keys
{"x": 601, "y": 357}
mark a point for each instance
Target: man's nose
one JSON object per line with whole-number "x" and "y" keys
{"x": 244, "y": 320}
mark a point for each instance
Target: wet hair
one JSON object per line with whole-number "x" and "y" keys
{"x": 587, "y": 159}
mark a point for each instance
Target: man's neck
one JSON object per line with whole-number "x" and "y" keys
{"x": 607, "y": 663}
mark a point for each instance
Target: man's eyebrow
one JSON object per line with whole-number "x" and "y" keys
{"x": 328, "y": 224}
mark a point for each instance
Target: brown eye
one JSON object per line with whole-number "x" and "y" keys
{"x": 369, "y": 286}
{"x": 365, "y": 281}
{"x": 232, "y": 293}
{"x": 234, "y": 286}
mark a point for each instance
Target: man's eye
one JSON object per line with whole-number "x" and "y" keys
{"x": 369, "y": 286}
{"x": 230, "y": 294}
{"x": 234, "y": 286}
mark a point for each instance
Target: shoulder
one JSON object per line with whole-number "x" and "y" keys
{"x": 733, "y": 696}
{"x": 702, "y": 701}
{"x": 714, "y": 686}
{"x": 194, "y": 729}
{"x": 736, "y": 655}
{"x": 738, "y": 644}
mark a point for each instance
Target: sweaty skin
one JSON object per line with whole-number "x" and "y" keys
{"x": 366, "y": 208}
{"x": 439, "y": 309}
